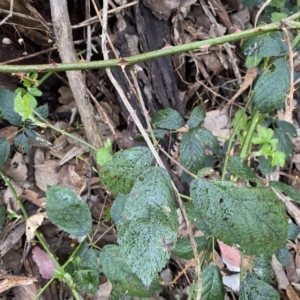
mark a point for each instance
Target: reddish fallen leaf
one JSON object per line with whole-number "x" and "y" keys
{"x": 231, "y": 257}
{"x": 44, "y": 262}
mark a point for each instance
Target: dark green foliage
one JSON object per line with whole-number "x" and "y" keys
{"x": 168, "y": 118}
{"x": 85, "y": 270}
{"x": 119, "y": 174}
{"x": 121, "y": 276}
{"x": 272, "y": 87}
{"x": 66, "y": 210}
{"x": 255, "y": 289}
{"x": 238, "y": 215}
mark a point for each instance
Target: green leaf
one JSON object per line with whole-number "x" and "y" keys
{"x": 85, "y": 270}
{"x": 34, "y": 91}
{"x": 197, "y": 117}
{"x": 253, "y": 218}
{"x": 43, "y": 111}
{"x": 184, "y": 249}
{"x": 271, "y": 88}
{"x": 265, "y": 45}
{"x": 263, "y": 268}
{"x": 117, "y": 208}
{"x": 159, "y": 133}
{"x": 288, "y": 190}
{"x": 7, "y": 107}
{"x": 37, "y": 139}
{"x": 255, "y": 289}
{"x": 118, "y": 174}
{"x": 193, "y": 146}
{"x": 240, "y": 114}
{"x": 117, "y": 271}
{"x": 293, "y": 231}
{"x": 2, "y": 216}
{"x": 276, "y": 17}
{"x": 168, "y": 118}
{"x": 285, "y": 145}
{"x": 66, "y": 210}
{"x": 24, "y": 105}
{"x": 213, "y": 288}
{"x": 237, "y": 167}
{"x": 103, "y": 156}
{"x": 278, "y": 159}
{"x": 149, "y": 232}
{"x": 119, "y": 274}
{"x": 4, "y": 151}
{"x": 265, "y": 165}
{"x": 283, "y": 256}
{"x": 21, "y": 143}
{"x": 287, "y": 127}
{"x": 196, "y": 219}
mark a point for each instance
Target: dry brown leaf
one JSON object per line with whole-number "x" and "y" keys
{"x": 103, "y": 292}
{"x": 17, "y": 169}
{"x": 216, "y": 122}
{"x": 10, "y": 281}
{"x": 9, "y": 133}
{"x": 32, "y": 223}
{"x": 46, "y": 174}
{"x": 66, "y": 96}
{"x": 34, "y": 198}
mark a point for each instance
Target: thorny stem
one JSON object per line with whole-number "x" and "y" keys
{"x": 150, "y": 55}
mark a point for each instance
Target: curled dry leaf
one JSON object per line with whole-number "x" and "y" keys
{"x": 44, "y": 262}
{"x": 33, "y": 223}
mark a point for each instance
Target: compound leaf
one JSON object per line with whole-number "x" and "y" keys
{"x": 4, "y": 151}
{"x": 66, "y": 210}
{"x": 24, "y": 105}
{"x": 253, "y": 218}
{"x": 193, "y": 146}
{"x": 213, "y": 288}
{"x": 168, "y": 118}
{"x": 118, "y": 174}
{"x": 149, "y": 231}
{"x": 119, "y": 274}
{"x": 271, "y": 88}
{"x": 85, "y": 270}
{"x": 7, "y": 107}
{"x": 197, "y": 117}
{"x": 255, "y": 289}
